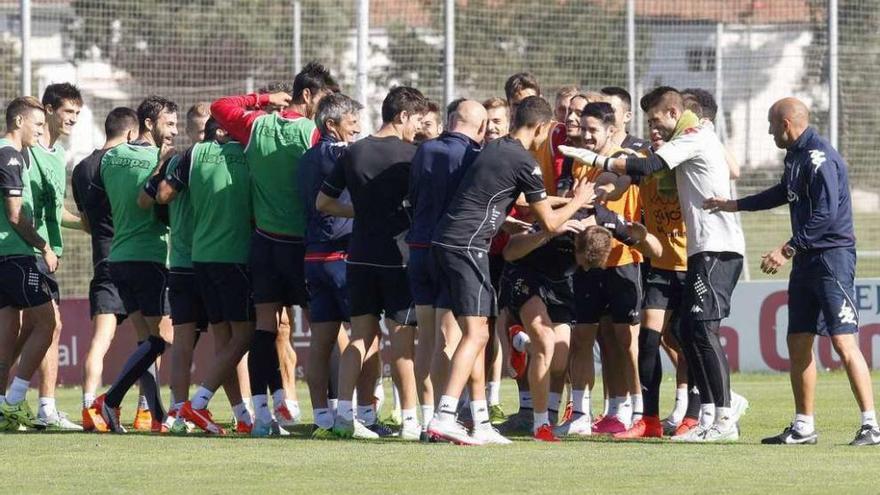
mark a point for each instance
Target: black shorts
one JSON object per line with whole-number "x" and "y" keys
{"x": 557, "y": 295}
{"x": 50, "y": 279}
{"x": 22, "y": 284}
{"x": 328, "y": 290}
{"x": 615, "y": 291}
{"x": 822, "y": 293}
{"x": 711, "y": 278}
{"x": 378, "y": 290}
{"x": 104, "y": 296}
{"x": 142, "y": 285}
{"x": 663, "y": 289}
{"x": 421, "y": 274}
{"x": 277, "y": 272}
{"x": 496, "y": 268}
{"x": 225, "y": 289}
{"x": 187, "y": 305}
{"x": 464, "y": 274}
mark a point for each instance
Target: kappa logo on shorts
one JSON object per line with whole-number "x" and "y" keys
{"x": 696, "y": 309}
{"x": 847, "y": 315}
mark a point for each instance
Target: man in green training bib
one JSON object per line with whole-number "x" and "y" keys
{"x": 63, "y": 102}
{"x": 24, "y": 288}
{"x": 274, "y": 144}
{"x": 212, "y": 178}
{"x": 139, "y": 250}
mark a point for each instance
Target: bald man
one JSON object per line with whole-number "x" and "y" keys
{"x": 821, "y": 288}
{"x": 715, "y": 248}
{"x": 436, "y": 170}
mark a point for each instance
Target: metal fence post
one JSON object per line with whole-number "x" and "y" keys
{"x": 631, "y": 60}
{"x": 297, "y": 36}
{"x": 25, "y": 47}
{"x": 449, "y": 51}
{"x": 833, "y": 103}
{"x": 363, "y": 27}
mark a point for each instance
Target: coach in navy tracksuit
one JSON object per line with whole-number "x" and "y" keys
{"x": 327, "y": 236}
{"x": 821, "y": 289}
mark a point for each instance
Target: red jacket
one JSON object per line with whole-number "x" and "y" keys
{"x": 237, "y": 114}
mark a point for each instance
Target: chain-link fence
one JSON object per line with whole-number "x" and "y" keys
{"x": 747, "y": 52}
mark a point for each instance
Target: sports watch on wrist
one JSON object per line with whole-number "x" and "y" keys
{"x": 788, "y": 251}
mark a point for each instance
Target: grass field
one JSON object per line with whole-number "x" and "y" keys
{"x": 91, "y": 463}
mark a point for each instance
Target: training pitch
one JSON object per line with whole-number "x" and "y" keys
{"x": 143, "y": 463}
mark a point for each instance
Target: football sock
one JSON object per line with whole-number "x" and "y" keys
{"x": 480, "y": 413}
{"x": 707, "y": 414}
{"x": 409, "y": 419}
{"x": 555, "y": 400}
{"x": 804, "y": 424}
{"x": 525, "y": 399}
{"x": 723, "y": 416}
{"x": 278, "y": 397}
{"x": 88, "y": 400}
{"x": 17, "y": 391}
{"x": 201, "y": 398}
{"x": 137, "y": 365}
{"x": 143, "y": 404}
{"x": 261, "y": 408}
{"x": 581, "y": 401}
{"x": 681, "y": 405}
{"x": 345, "y": 410}
{"x": 447, "y": 408}
{"x": 638, "y": 406}
{"x": 149, "y": 382}
{"x": 323, "y": 417}
{"x": 493, "y": 393}
{"x": 650, "y": 372}
{"x": 366, "y": 415}
{"x": 869, "y": 418}
{"x": 541, "y": 419}
{"x": 262, "y": 344}
{"x": 47, "y": 407}
{"x": 427, "y": 414}
{"x": 242, "y": 415}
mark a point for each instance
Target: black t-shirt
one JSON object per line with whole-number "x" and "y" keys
{"x": 555, "y": 259}
{"x": 503, "y": 170}
{"x": 92, "y": 201}
{"x": 12, "y": 164}
{"x": 376, "y": 173}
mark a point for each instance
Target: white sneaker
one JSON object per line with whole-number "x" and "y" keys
{"x": 452, "y": 432}
{"x": 410, "y": 431}
{"x": 738, "y": 406}
{"x": 579, "y": 424}
{"x": 694, "y": 435}
{"x": 59, "y": 421}
{"x": 488, "y": 435}
{"x": 719, "y": 433}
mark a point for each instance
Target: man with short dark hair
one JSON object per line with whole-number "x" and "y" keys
{"x": 105, "y": 305}
{"x": 24, "y": 287}
{"x": 504, "y": 170}
{"x": 63, "y": 102}
{"x": 621, "y": 101}
{"x": 375, "y": 170}
{"x": 208, "y": 188}
{"x": 821, "y": 291}
{"x": 432, "y": 124}
{"x": 274, "y": 144}
{"x": 139, "y": 250}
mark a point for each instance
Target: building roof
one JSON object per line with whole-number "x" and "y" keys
{"x": 419, "y": 13}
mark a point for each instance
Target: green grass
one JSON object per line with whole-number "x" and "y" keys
{"x": 80, "y": 463}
